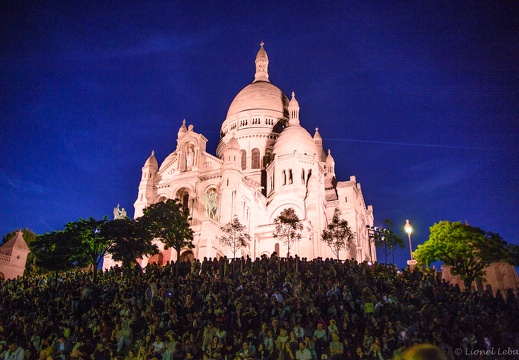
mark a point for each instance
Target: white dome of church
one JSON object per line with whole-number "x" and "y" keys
{"x": 261, "y": 95}
{"x": 294, "y": 139}
{"x": 257, "y": 108}
{"x": 265, "y": 162}
{"x": 232, "y": 144}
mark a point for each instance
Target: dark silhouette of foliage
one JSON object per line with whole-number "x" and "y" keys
{"x": 338, "y": 234}
{"x": 169, "y": 221}
{"x": 387, "y": 240}
{"x": 234, "y": 236}
{"x": 288, "y": 228}
{"x": 129, "y": 241}
{"x": 56, "y": 252}
{"x": 93, "y": 245}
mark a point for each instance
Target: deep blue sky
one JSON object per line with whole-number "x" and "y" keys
{"x": 418, "y": 100}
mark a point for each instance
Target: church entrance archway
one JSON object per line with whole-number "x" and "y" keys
{"x": 187, "y": 256}
{"x": 157, "y": 259}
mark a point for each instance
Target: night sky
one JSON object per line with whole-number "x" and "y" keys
{"x": 418, "y": 100}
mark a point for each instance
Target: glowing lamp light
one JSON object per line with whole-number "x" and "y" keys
{"x": 409, "y": 229}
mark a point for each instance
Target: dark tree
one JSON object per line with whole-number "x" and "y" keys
{"x": 288, "y": 228}
{"x": 129, "y": 241}
{"x": 169, "y": 222}
{"x": 388, "y": 241}
{"x": 56, "y": 252}
{"x": 338, "y": 234}
{"x": 234, "y": 236}
{"x": 93, "y": 246}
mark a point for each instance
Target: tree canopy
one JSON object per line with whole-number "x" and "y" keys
{"x": 92, "y": 244}
{"x": 288, "y": 227}
{"x": 169, "y": 221}
{"x": 466, "y": 249}
{"x": 129, "y": 239}
{"x": 56, "y": 252}
{"x": 234, "y": 236}
{"x": 387, "y": 240}
{"x": 338, "y": 234}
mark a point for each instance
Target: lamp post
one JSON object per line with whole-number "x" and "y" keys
{"x": 409, "y": 229}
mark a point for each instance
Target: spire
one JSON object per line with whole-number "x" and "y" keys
{"x": 262, "y": 65}
{"x": 293, "y": 110}
{"x": 330, "y": 163}
{"x": 318, "y": 139}
{"x": 152, "y": 161}
{"x": 329, "y": 158}
{"x": 182, "y": 129}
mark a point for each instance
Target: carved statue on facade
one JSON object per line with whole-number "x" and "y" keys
{"x": 211, "y": 204}
{"x": 189, "y": 157}
{"x": 119, "y": 213}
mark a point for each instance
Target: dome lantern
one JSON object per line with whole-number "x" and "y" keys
{"x": 262, "y": 65}
{"x": 293, "y": 110}
{"x": 182, "y": 130}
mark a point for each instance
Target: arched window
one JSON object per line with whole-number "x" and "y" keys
{"x": 284, "y": 176}
{"x": 183, "y": 197}
{"x": 185, "y": 201}
{"x": 255, "y": 158}
{"x": 303, "y": 176}
{"x": 243, "y": 160}
{"x": 290, "y": 177}
{"x": 267, "y": 158}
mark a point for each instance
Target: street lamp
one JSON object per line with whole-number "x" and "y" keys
{"x": 409, "y": 229}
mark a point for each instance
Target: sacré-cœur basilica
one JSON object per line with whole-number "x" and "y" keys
{"x": 265, "y": 162}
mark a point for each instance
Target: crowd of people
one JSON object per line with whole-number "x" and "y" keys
{"x": 268, "y": 309}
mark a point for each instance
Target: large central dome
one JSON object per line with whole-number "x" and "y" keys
{"x": 260, "y": 95}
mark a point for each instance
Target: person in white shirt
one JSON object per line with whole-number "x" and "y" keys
{"x": 14, "y": 352}
{"x": 303, "y": 353}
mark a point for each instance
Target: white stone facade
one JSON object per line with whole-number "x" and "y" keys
{"x": 265, "y": 162}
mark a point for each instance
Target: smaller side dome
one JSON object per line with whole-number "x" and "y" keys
{"x": 152, "y": 161}
{"x": 232, "y": 145}
{"x": 232, "y": 154}
{"x": 294, "y": 138}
